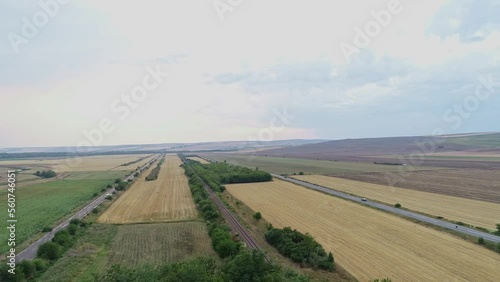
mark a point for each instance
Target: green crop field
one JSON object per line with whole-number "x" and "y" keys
{"x": 486, "y": 140}
{"x": 40, "y": 205}
{"x": 136, "y": 244}
{"x": 292, "y": 165}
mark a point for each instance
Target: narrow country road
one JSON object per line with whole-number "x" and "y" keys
{"x": 391, "y": 209}
{"x": 30, "y": 252}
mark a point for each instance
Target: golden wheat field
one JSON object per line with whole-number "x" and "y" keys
{"x": 369, "y": 243}
{"x": 478, "y": 213}
{"x": 198, "y": 159}
{"x": 166, "y": 199}
{"x": 90, "y": 163}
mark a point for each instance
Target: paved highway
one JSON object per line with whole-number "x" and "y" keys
{"x": 30, "y": 252}
{"x": 405, "y": 213}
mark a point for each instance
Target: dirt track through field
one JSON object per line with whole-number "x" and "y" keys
{"x": 166, "y": 199}
{"x": 368, "y": 243}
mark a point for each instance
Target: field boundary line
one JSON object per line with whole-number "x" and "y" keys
{"x": 394, "y": 210}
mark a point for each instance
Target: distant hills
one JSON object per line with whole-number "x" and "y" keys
{"x": 171, "y": 147}
{"x": 391, "y": 146}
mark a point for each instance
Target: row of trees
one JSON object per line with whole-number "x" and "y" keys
{"x": 301, "y": 248}
{"x": 136, "y": 161}
{"x": 237, "y": 264}
{"x": 217, "y": 174}
{"x": 153, "y": 175}
{"x": 120, "y": 185}
{"x": 47, "y": 254}
{"x": 46, "y": 173}
{"x": 245, "y": 266}
{"x": 222, "y": 242}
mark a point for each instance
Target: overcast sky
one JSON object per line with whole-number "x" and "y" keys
{"x": 233, "y": 65}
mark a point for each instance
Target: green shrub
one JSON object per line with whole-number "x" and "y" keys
{"x": 75, "y": 221}
{"x": 63, "y": 238}
{"x": 28, "y": 268}
{"x": 108, "y": 198}
{"x": 398, "y": 205}
{"x": 257, "y": 216}
{"x": 41, "y": 264}
{"x": 480, "y": 241}
{"x": 47, "y": 229}
{"x": 301, "y": 248}
{"x": 72, "y": 229}
{"x": 49, "y": 251}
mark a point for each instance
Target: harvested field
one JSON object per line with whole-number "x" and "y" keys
{"x": 370, "y": 243}
{"x": 133, "y": 166}
{"x": 477, "y": 213}
{"x": 477, "y": 184}
{"x": 293, "y": 165}
{"x": 159, "y": 243}
{"x": 201, "y": 160}
{"x": 92, "y": 163}
{"x": 166, "y": 199}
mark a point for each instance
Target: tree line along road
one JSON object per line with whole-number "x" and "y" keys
{"x": 30, "y": 252}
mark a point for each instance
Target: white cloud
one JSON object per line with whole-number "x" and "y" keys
{"x": 227, "y": 76}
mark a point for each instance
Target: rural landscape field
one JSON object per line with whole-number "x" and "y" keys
{"x": 250, "y": 141}
{"x": 369, "y": 243}
{"x": 166, "y": 199}
{"x": 478, "y": 213}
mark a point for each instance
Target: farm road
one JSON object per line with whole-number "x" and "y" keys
{"x": 405, "y": 213}
{"x": 30, "y": 252}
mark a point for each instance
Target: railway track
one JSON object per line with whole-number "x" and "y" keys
{"x": 233, "y": 222}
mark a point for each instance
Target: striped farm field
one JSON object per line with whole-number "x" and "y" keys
{"x": 89, "y": 163}
{"x": 198, "y": 159}
{"x": 139, "y": 162}
{"x": 157, "y": 243}
{"x": 369, "y": 243}
{"x": 477, "y": 213}
{"x": 166, "y": 199}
